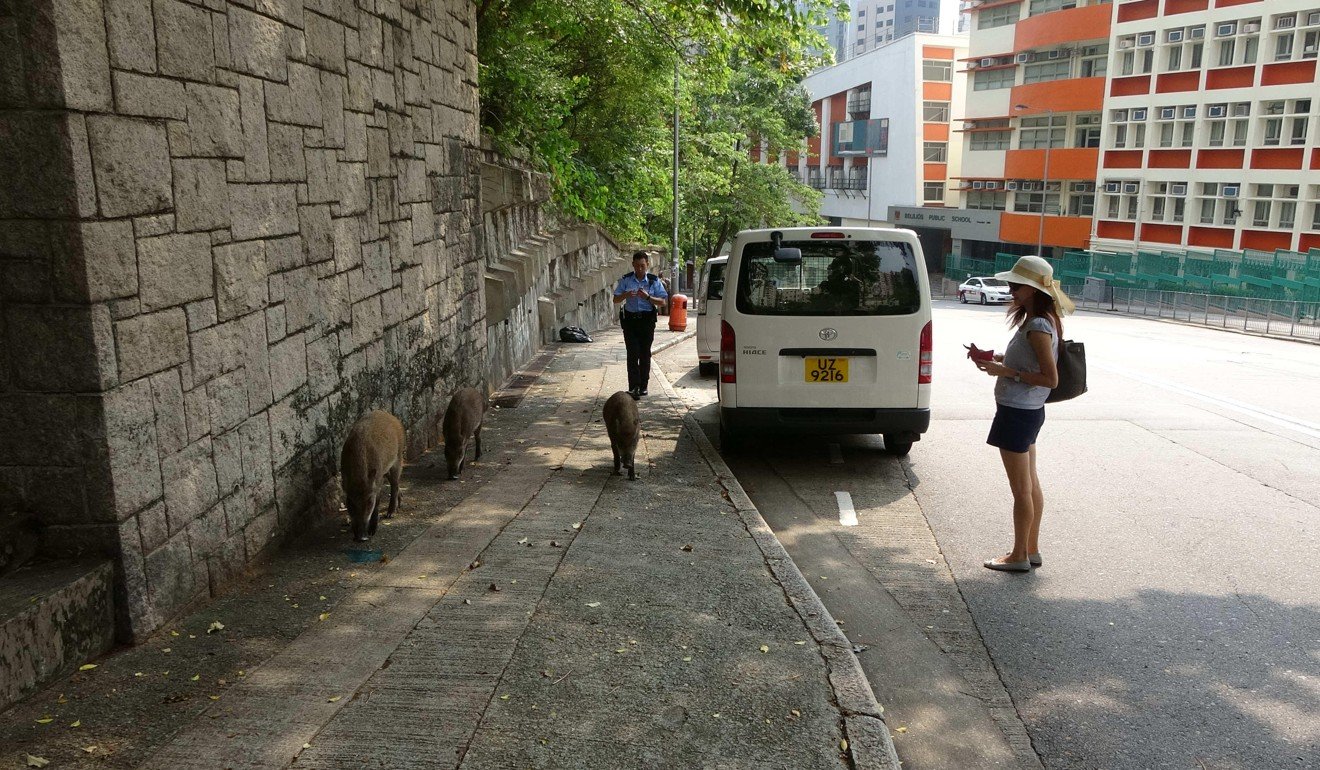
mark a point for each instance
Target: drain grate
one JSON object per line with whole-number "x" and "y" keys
{"x": 513, "y": 392}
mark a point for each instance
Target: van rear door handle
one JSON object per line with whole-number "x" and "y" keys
{"x": 808, "y": 352}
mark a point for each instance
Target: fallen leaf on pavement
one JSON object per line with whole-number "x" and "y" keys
{"x": 577, "y": 525}
{"x": 900, "y": 729}
{"x": 475, "y": 564}
{"x": 843, "y": 744}
{"x": 46, "y": 720}
{"x": 796, "y": 713}
{"x": 89, "y": 749}
{"x": 37, "y": 761}
{"x": 61, "y": 700}
{"x": 504, "y": 697}
{"x": 215, "y": 626}
{"x": 467, "y": 601}
{"x": 195, "y": 677}
{"x": 323, "y": 616}
{"x": 87, "y": 667}
{"x": 166, "y": 649}
{"x": 593, "y": 604}
{"x": 174, "y": 633}
{"x": 76, "y": 723}
{"x": 137, "y": 673}
{"x": 799, "y": 643}
{"x": 333, "y": 699}
{"x": 214, "y": 697}
{"x": 765, "y": 648}
{"x": 307, "y": 745}
{"x": 688, "y": 659}
{"x": 687, "y": 548}
{"x": 524, "y": 540}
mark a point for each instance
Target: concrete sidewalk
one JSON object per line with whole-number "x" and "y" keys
{"x": 541, "y": 613}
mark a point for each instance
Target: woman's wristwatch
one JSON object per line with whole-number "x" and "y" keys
{"x": 1017, "y": 377}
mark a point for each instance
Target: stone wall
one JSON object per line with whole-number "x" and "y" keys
{"x": 542, "y": 270}
{"x": 227, "y": 228}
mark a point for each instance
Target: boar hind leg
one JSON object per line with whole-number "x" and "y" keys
{"x": 396, "y": 495}
{"x": 375, "y": 514}
{"x": 476, "y": 437}
{"x": 618, "y": 460}
{"x": 632, "y": 467}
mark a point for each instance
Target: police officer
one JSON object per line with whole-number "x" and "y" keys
{"x": 640, "y": 293}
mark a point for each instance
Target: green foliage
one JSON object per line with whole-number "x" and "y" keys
{"x": 586, "y": 88}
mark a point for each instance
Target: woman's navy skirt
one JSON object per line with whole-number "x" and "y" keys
{"x": 1015, "y": 429}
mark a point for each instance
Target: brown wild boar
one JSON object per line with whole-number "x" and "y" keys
{"x": 463, "y": 419}
{"x": 373, "y": 453}
{"x": 622, "y": 424}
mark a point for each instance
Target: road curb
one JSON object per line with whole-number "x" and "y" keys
{"x": 870, "y": 745}
{"x": 667, "y": 344}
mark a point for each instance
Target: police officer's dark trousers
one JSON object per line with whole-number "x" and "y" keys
{"x": 638, "y": 334}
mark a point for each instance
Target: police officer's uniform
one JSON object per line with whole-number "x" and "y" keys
{"x": 637, "y": 317}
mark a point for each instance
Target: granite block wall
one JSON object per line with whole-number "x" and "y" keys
{"x": 227, "y": 228}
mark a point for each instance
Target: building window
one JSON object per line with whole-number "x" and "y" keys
{"x": 1095, "y": 61}
{"x": 1138, "y": 61}
{"x": 1081, "y": 199}
{"x": 1129, "y": 129}
{"x": 940, "y": 70}
{"x": 1051, "y": 70}
{"x": 1176, "y": 126}
{"x": 1121, "y": 199}
{"x": 987, "y": 200}
{"x": 1045, "y": 6}
{"x": 1167, "y": 202}
{"x": 933, "y": 192}
{"x": 1274, "y": 206}
{"x": 990, "y": 140}
{"x": 999, "y": 16}
{"x": 986, "y": 80}
{"x": 1227, "y": 124}
{"x": 1032, "y": 201}
{"x": 1217, "y": 203}
{"x": 935, "y": 112}
{"x": 1285, "y": 122}
{"x": 1040, "y": 132}
{"x": 1237, "y": 43}
{"x": 935, "y": 152}
{"x": 1087, "y": 132}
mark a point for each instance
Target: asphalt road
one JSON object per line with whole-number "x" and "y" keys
{"x": 1176, "y": 622}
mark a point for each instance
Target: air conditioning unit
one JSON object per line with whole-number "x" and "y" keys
{"x": 1022, "y": 58}
{"x": 987, "y": 62}
{"x": 1230, "y": 191}
{"x": 1145, "y": 39}
{"x": 992, "y": 185}
{"x": 1250, "y": 27}
{"x": 1189, "y": 111}
{"x": 1056, "y": 54}
{"x": 1175, "y": 36}
{"x": 1112, "y": 187}
{"x": 1197, "y": 33}
{"x": 1167, "y": 113}
{"x": 1010, "y": 185}
{"x": 1224, "y": 30}
{"x": 1241, "y": 109}
{"x": 1285, "y": 22}
{"x": 1178, "y": 189}
{"x": 1216, "y": 110}
{"x": 1130, "y": 188}
{"x": 1313, "y": 18}
{"x": 1139, "y": 114}
{"x": 1125, "y": 43}
{"x": 978, "y": 185}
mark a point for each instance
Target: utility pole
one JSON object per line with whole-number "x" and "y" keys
{"x": 677, "y": 286}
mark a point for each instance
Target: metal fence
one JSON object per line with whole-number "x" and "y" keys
{"x": 1283, "y": 318}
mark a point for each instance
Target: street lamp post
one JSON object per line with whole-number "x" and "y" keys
{"x": 1044, "y": 183}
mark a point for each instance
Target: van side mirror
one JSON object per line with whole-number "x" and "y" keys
{"x": 790, "y": 256}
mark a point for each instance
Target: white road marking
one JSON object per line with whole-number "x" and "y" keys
{"x": 836, "y": 455}
{"x": 847, "y": 514}
{"x": 1283, "y": 420}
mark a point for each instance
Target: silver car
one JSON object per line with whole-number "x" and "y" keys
{"x": 983, "y": 290}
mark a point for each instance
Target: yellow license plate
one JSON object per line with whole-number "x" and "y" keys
{"x": 827, "y": 370}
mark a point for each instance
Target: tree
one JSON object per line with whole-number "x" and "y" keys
{"x": 585, "y": 88}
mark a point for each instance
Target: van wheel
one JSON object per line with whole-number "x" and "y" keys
{"x": 707, "y": 368}
{"x": 895, "y": 447}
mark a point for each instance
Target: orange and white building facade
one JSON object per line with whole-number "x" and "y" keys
{"x": 1210, "y": 133}
{"x": 1032, "y": 121}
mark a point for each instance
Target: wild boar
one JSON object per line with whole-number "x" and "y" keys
{"x": 373, "y": 453}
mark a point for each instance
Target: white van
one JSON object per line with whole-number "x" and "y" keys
{"x": 826, "y": 330}
{"x": 710, "y": 293}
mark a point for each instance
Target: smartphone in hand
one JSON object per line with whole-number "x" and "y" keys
{"x": 976, "y": 354}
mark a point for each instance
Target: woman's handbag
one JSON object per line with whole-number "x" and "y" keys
{"x": 1072, "y": 372}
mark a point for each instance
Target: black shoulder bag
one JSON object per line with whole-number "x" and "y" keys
{"x": 1072, "y": 372}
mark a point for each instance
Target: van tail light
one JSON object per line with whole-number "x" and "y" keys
{"x": 926, "y": 356}
{"x": 728, "y": 363}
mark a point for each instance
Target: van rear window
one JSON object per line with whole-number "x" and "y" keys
{"x": 835, "y": 278}
{"x": 715, "y": 289}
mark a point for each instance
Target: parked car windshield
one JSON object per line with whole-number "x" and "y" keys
{"x": 835, "y": 278}
{"x": 993, "y": 282}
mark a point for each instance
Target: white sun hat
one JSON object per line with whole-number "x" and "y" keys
{"x": 1036, "y": 272}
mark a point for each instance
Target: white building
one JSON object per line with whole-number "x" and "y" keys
{"x": 886, "y": 137}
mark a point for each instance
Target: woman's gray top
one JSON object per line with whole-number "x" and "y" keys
{"x": 1020, "y": 356}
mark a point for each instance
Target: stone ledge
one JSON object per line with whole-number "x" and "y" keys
{"x": 54, "y": 617}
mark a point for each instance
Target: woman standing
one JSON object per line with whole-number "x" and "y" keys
{"x": 1024, "y": 376}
